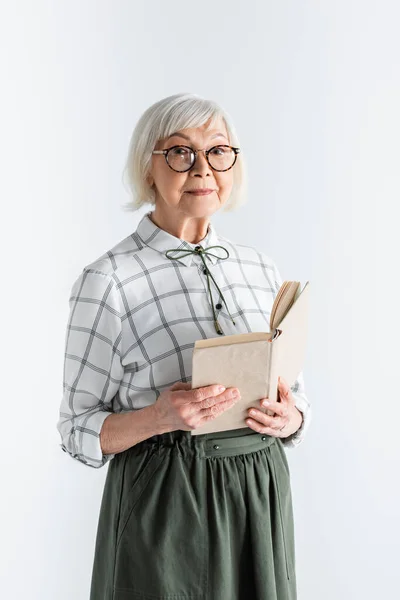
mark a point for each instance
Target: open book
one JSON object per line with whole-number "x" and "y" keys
{"x": 254, "y": 361}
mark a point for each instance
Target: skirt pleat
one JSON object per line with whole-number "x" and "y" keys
{"x": 205, "y": 517}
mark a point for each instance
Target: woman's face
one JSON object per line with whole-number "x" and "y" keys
{"x": 174, "y": 189}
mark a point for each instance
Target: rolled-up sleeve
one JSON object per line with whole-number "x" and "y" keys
{"x": 92, "y": 366}
{"x": 302, "y": 402}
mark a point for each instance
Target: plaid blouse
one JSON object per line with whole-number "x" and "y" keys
{"x": 135, "y": 315}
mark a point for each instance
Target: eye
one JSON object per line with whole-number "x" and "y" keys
{"x": 180, "y": 151}
{"x": 219, "y": 150}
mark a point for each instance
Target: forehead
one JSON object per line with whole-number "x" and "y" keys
{"x": 203, "y": 131}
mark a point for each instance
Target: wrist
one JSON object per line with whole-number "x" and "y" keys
{"x": 298, "y": 418}
{"x": 160, "y": 425}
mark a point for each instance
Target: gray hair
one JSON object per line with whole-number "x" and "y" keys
{"x": 161, "y": 119}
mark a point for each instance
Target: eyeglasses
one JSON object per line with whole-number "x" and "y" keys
{"x": 182, "y": 158}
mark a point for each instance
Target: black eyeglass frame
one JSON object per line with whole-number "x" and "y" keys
{"x": 195, "y": 152}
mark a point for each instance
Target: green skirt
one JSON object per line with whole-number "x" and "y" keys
{"x": 206, "y": 517}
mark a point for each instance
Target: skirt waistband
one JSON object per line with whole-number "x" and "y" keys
{"x": 219, "y": 443}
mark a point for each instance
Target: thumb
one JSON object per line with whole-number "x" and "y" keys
{"x": 283, "y": 386}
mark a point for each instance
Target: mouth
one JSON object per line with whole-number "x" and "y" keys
{"x": 202, "y": 192}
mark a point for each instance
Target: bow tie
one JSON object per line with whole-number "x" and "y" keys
{"x": 201, "y": 251}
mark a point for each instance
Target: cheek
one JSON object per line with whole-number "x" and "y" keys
{"x": 224, "y": 183}
{"x": 169, "y": 183}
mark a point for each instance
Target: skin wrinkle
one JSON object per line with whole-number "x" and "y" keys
{"x": 182, "y": 214}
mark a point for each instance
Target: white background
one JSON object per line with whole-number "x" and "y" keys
{"x": 314, "y": 91}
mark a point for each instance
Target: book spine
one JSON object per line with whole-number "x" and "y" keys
{"x": 275, "y": 366}
{"x": 269, "y": 374}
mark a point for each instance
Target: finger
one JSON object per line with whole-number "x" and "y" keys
{"x": 278, "y": 423}
{"x": 283, "y": 387}
{"x": 266, "y": 420}
{"x": 284, "y": 398}
{"x": 260, "y": 428}
{"x": 280, "y": 408}
{"x": 262, "y": 418}
{"x": 201, "y": 393}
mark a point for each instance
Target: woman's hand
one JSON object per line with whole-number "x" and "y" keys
{"x": 287, "y": 419}
{"x": 181, "y": 407}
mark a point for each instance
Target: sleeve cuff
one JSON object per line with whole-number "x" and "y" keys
{"x": 295, "y": 439}
{"x": 91, "y": 454}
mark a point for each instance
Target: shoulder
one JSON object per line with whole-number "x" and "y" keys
{"x": 115, "y": 262}
{"x": 106, "y": 273}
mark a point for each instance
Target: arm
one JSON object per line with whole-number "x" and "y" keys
{"x": 302, "y": 403}
{"x": 123, "y": 430}
{"x": 92, "y": 370}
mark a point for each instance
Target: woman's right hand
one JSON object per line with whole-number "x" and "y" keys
{"x": 181, "y": 407}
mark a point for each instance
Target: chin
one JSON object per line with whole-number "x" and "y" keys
{"x": 200, "y": 211}
{"x": 209, "y": 201}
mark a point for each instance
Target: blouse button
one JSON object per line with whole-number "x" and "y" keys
{"x": 216, "y": 447}
{"x": 205, "y": 271}
{"x": 218, "y": 305}
{"x": 263, "y": 438}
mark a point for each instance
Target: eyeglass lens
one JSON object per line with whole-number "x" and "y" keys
{"x": 181, "y": 158}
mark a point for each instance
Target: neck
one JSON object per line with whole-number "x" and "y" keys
{"x": 184, "y": 227}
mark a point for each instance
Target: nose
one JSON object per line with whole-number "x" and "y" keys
{"x": 201, "y": 166}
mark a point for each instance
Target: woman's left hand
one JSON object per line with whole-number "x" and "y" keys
{"x": 287, "y": 419}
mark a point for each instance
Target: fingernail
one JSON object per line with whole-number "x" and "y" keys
{"x": 221, "y": 388}
{"x": 266, "y": 403}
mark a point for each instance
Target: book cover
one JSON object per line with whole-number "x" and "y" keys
{"x": 254, "y": 361}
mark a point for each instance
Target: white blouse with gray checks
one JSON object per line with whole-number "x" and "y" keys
{"x": 134, "y": 317}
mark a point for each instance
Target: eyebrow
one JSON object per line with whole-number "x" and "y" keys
{"x": 188, "y": 138}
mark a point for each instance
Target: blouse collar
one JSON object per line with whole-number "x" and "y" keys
{"x": 160, "y": 240}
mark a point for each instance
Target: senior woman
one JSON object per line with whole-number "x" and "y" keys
{"x": 182, "y": 517}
